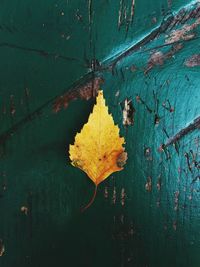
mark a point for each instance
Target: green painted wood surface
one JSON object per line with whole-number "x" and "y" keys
{"x": 45, "y": 47}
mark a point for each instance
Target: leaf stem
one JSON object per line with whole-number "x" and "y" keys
{"x": 92, "y": 199}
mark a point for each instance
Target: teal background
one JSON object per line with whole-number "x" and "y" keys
{"x": 46, "y": 46}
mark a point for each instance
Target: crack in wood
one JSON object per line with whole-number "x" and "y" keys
{"x": 183, "y": 132}
{"x": 85, "y": 91}
{"x": 89, "y": 78}
{"x": 41, "y": 52}
{"x": 163, "y": 27}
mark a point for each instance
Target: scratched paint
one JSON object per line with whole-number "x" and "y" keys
{"x": 52, "y": 53}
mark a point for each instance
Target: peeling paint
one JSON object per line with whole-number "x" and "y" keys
{"x": 86, "y": 92}
{"x": 193, "y": 61}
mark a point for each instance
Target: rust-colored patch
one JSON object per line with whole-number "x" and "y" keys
{"x": 148, "y": 185}
{"x": 158, "y": 58}
{"x": 193, "y": 61}
{"x": 183, "y": 34}
{"x": 85, "y": 91}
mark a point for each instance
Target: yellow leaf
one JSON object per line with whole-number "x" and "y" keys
{"x": 98, "y": 149}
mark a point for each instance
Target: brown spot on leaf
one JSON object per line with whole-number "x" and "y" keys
{"x": 121, "y": 160}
